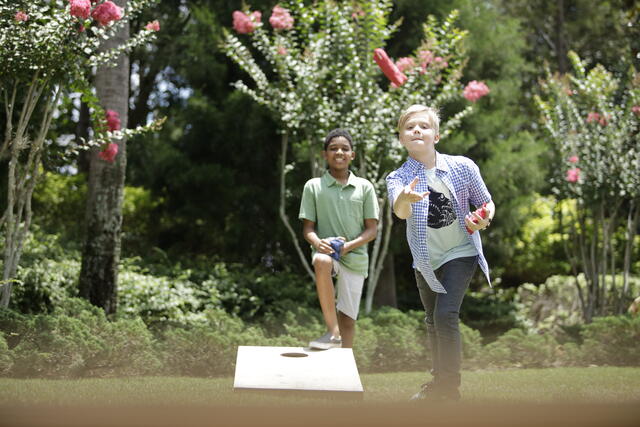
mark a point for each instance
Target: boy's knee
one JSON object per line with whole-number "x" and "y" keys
{"x": 322, "y": 262}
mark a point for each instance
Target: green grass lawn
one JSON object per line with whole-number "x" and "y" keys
{"x": 557, "y": 385}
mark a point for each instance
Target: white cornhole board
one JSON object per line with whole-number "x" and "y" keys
{"x": 296, "y": 368}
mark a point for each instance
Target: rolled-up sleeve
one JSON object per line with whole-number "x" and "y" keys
{"x": 395, "y": 184}
{"x": 478, "y": 192}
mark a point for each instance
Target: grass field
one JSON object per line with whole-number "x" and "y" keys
{"x": 584, "y": 397}
{"x": 576, "y": 385}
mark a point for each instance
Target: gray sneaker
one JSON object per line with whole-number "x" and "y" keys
{"x": 326, "y": 342}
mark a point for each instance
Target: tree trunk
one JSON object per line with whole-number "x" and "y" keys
{"x": 385, "y": 294}
{"x": 561, "y": 42}
{"x": 101, "y": 253}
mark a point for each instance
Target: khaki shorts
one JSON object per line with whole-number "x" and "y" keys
{"x": 349, "y": 288}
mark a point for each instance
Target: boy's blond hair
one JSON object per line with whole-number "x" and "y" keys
{"x": 432, "y": 114}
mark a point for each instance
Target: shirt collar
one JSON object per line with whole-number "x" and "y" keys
{"x": 330, "y": 180}
{"x": 414, "y": 166}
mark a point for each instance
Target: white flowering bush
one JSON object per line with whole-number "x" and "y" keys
{"x": 321, "y": 75}
{"x": 593, "y": 122}
{"x": 49, "y": 48}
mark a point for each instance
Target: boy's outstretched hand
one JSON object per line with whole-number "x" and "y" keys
{"x": 408, "y": 196}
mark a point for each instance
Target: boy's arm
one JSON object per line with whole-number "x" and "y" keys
{"x": 408, "y": 195}
{"x": 309, "y": 234}
{"x": 369, "y": 233}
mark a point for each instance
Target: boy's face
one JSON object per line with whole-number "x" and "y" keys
{"x": 418, "y": 135}
{"x": 339, "y": 153}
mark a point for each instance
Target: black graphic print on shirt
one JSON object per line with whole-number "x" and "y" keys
{"x": 441, "y": 213}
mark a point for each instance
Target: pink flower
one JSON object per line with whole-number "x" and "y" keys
{"x": 282, "y": 50}
{"x": 245, "y": 24}
{"x": 405, "y": 63}
{"x": 106, "y": 12}
{"x": 389, "y": 69}
{"x": 573, "y": 159}
{"x": 80, "y": 8}
{"x": 440, "y": 62}
{"x": 475, "y": 90}
{"x": 593, "y": 117}
{"x": 281, "y": 19}
{"x": 425, "y": 57}
{"x": 573, "y": 175}
{"x": 636, "y": 110}
{"x": 113, "y": 120}
{"x": 21, "y": 16}
{"x": 596, "y": 117}
{"x": 153, "y": 26}
{"x": 109, "y": 153}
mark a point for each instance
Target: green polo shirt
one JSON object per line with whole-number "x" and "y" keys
{"x": 340, "y": 210}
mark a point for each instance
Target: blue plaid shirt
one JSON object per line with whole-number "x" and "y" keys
{"x": 462, "y": 178}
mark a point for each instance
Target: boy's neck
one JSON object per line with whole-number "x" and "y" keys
{"x": 428, "y": 159}
{"x": 341, "y": 175}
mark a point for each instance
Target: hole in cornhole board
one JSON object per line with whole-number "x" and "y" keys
{"x": 298, "y": 370}
{"x": 294, "y": 355}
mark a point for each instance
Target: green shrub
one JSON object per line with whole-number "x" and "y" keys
{"x": 209, "y": 349}
{"x": 54, "y": 346}
{"x": 613, "y": 340}
{"x": 45, "y": 284}
{"x": 78, "y": 340}
{"x": 491, "y": 311}
{"x": 555, "y": 305}
{"x": 400, "y": 340}
{"x": 471, "y": 346}
{"x": 160, "y": 299}
{"x": 6, "y": 356}
{"x": 517, "y": 348}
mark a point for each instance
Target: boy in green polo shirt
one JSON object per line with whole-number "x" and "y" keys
{"x": 340, "y": 215}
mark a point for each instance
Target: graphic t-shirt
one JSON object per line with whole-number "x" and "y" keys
{"x": 445, "y": 238}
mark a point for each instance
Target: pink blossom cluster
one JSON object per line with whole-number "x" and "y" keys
{"x": 573, "y": 175}
{"x": 636, "y": 110}
{"x": 153, "y": 26}
{"x": 281, "y": 19}
{"x": 597, "y": 117}
{"x": 405, "y": 63}
{"x": 21, "y": 16}
{"x": 109, "y": 153}
{"x": 113, "y": 120}
{"x": 80, "y": 8}
{"x": 246, "y": 23}
{"x": 425, "y": 57}
{"x": 282, "y": 50}
{"x": 573, "y": 159}
{"x": 475, "y": 90}
{"x": 104, "y": 13}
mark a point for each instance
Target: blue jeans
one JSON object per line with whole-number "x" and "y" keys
{"x": 443, "y": 317}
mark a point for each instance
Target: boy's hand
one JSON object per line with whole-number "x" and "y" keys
{"x": 475, "y": 222}
{"x": 324, "y": 246}
{"x": 409, "y": 194}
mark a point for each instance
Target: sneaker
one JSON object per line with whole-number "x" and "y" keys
{"x": 431, "y": 392}
{"x": 326, "y": 342}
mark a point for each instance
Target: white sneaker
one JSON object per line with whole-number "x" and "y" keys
{"x": 326, "y": 342}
